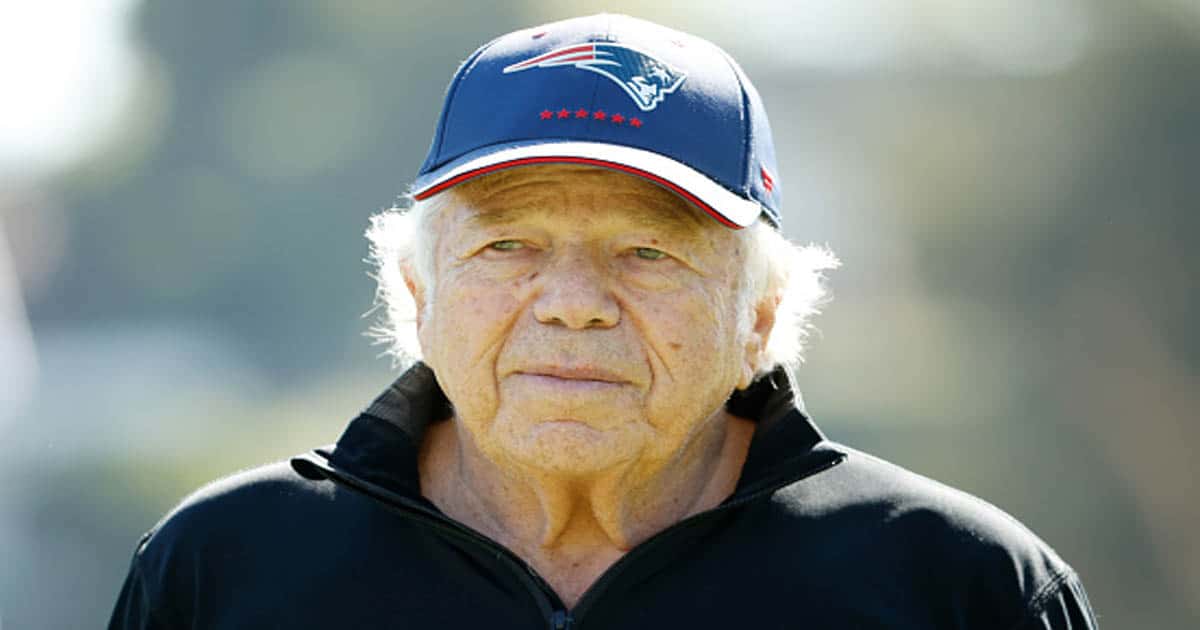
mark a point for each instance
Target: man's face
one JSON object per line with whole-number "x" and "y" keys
{"x": 582, "y": 318}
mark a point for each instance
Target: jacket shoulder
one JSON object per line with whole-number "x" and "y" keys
{"x": 901, "y": 528}
{"x": 258, "y": 508}
{"x": 244, "y": 501}
{"x": 228, "y": 529}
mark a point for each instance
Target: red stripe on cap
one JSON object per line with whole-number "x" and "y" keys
{"x": 550, "y": 55}
{"x": 484, "y": 170}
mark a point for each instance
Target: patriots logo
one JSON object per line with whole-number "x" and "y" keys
{"x": 645, "y": 79}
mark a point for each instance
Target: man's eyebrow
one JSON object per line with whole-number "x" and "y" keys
{"x": 674, "y": 219}
{"x": 491, "y": 218}
{"x": 477, "y": 195}
{"x": 670, "y": 220}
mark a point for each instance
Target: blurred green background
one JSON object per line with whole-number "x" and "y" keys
{"x": 1012, "y": 186}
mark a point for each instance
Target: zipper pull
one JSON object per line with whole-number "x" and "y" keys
{"x": 561, "y": 620}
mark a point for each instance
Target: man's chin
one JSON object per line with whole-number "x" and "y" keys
{"x": 573, "y": 448}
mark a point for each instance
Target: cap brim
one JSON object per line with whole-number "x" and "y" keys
{"x": 724, "y": 205}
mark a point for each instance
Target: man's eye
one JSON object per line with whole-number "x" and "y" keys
{"x": 649, "y": 253}
{"x": 506, "y": 246}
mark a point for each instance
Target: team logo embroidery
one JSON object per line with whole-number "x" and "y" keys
{"x": 645, "y": 79}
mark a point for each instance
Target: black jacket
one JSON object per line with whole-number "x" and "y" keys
{"x": 816, "y": 535}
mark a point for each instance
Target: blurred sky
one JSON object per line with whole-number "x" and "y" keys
{"x": 70, "y": 67}
{"x": 1010, "y": 184}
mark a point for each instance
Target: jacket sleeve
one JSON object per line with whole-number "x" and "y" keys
{"x": 1063, "y": 607}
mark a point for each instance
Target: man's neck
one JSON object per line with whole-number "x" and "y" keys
{"x": 572, "y": 529}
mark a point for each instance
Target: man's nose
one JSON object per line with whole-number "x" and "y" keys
{"x": 576, "y": 294}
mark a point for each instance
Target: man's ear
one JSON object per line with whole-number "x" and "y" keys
{"x": 416, "y": 290}
{"x": 756, "y": 340}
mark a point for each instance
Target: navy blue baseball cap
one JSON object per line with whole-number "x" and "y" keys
{"x": 616, "y": 92}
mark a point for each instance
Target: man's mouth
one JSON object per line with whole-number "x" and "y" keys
{"x": 573, "y": 376}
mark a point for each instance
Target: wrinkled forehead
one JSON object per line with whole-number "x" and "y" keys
{"x": 502, "y": 196}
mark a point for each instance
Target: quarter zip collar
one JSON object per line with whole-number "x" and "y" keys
{"x": 381, "y": 445}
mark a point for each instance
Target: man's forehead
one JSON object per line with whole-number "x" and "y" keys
{"x": 504, "y": 197}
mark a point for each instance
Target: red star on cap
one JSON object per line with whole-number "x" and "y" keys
{"x": 599, "y": 115}
{"x": 546, "y": 114}
{"x": 635, "y": 122}
{"x": 563, "y": 113}
{"x": 581, "y": 113}
{"x": 617, "y": 118}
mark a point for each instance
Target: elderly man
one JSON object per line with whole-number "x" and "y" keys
{"x": 601, "y": 431}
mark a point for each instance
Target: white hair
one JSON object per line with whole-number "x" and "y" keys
{"x": 776, "y": 269}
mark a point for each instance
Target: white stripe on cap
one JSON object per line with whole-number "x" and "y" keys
{"x": 725, "y": 205}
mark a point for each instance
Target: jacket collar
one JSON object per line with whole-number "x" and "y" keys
{"x": 380, "y": 446}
